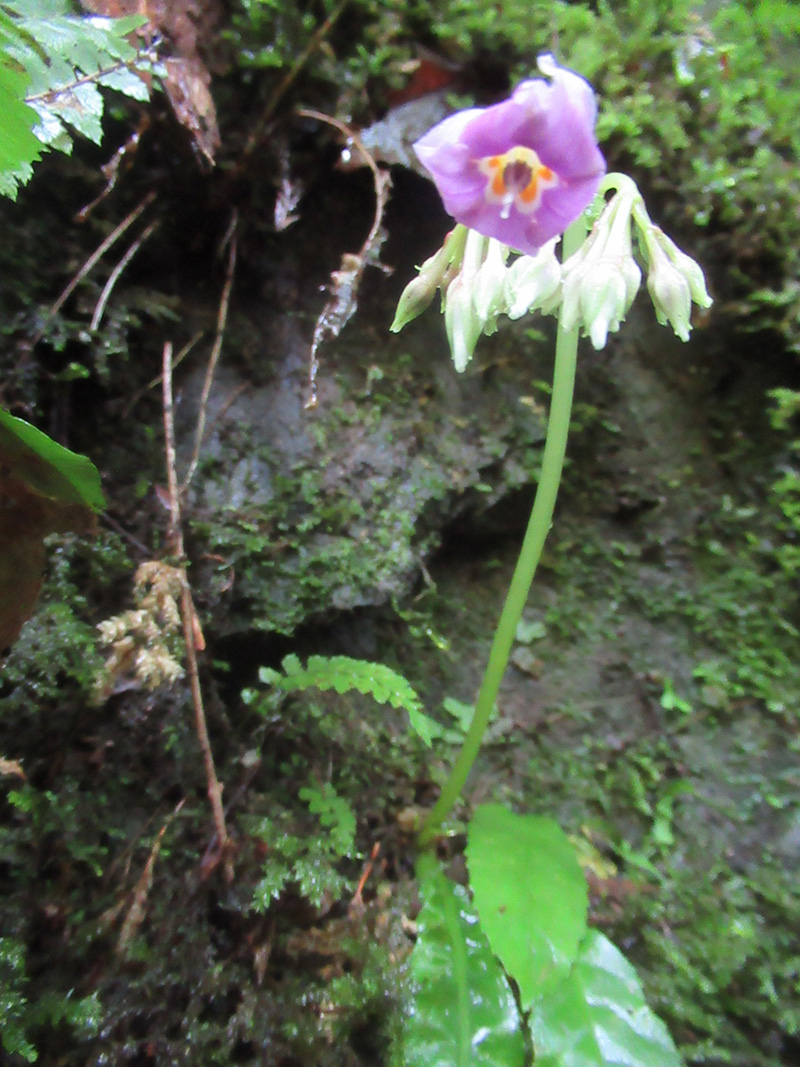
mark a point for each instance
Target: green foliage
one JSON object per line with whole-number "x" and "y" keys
{"x": 722, "y": 957}
{"x": 582, "y": 998}
{"x": 57, "y": 658}
{"x": 48, "y": 468}
{"x": 52, "y": 65}
{"x": 531, "y": 895}
{"x": 20, "y": 1016}
{"x": 464, "y": 1013}
{"x": 335, "y": 814}
{"x": 343, "y": 674}
{"x": 598, "y": 1016}
{"x": 19, "y": 148}
{"x": 12, "y": 1000}
{"x": 308, "y": 861}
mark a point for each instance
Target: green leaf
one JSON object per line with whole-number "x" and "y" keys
{"x": 530, "y": 893}
{"x": 17, "y": 144}
{"x": 463, "y": 1013}
{"x": 46, "y": 467}
{"x": 344, "y": 674}
{"x": 597, "y": 1017}
{"x": 335, "y": 814}
{"x": 51, "y": 62}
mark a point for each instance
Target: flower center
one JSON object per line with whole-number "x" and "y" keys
{"x": 517, "y": 178}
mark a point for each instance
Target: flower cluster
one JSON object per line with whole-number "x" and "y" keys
{"x": 478, "y": 285}
{"x": 515, "y": 176}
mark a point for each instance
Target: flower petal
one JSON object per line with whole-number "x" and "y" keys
{"x": 543, "y": 127}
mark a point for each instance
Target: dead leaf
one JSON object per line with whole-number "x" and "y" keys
{"x": 191, "y": 28}
{"x": 187, "y": 86}
{"x": 26, "y": 518}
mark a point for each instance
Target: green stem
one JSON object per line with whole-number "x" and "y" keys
{"x": 538, "y": 528}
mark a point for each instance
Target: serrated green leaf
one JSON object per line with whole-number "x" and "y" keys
{"x": 18, "y": 146}
{"x": 80, "y": 107}
{"x": 317, "y": 880}
{"x": 597, "y": 1017}
{"x": 343, "y": 675}
{"x": 464, "y": 1013}
{"x": 46, "y": 467}
{"x": 270, "y": 886}
{"x": 51, "y": 62}
{"x": 126, "y": 82}
{"x": 530, "y": 893}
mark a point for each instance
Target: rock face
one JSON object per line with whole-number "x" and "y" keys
{"x": 297, "y": 511}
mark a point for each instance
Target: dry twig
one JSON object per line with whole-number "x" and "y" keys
{"x": 113, "y": 278}
{"x": 222, "y": 319}
{"x": 181, "y": 356}
{"x": 191, "y": 635}
{"x": 114, "y": 275}
{"x": 92, "y": 261}
{"x": 136, "y": 912}
{"x": 114, "y": 167}
{"x": 345, "y": 281}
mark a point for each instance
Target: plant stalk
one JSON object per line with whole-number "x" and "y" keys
{"x": 530, "y": 554}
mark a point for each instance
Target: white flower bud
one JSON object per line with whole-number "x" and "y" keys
{"x": 671, "y": 295}
{"x": 602, "y": 278}
{"x": 462, "y": 322}
{"x": 489, "y": 287}
{"x": 532, "y": 281}
{"x": 674, "y": 279}
{"x": 433, "y": 274}
{"x": 604, "y": 302}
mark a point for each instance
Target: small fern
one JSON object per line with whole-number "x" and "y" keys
{"x": 335, "y": 815}
{"x": 344, "y": 675}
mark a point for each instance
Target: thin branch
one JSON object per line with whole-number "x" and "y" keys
{"x": 138, "y": 903}
{"x": 380, "y": 178}
{"x": 52, "y": 94}
{"x": 346, "y": 280}
{"x": 222, "y": 319}
{"x": 120, "y": 529}
{"x": 181, "y": 356}
{"x": 117, "y": 271}
{"x": 343, "y": 128}
{"x": 174, "y": 532}
{"x": 92, "y": 261}
{"x": 112, "y": 169}
{"x": 189, "y": 619}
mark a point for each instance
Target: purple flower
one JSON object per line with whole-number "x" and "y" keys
{"x": 522, "y": 170}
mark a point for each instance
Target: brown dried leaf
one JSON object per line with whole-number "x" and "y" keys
{"x": 26, "y": 518}
{"x": 187, "y": 86}
{"x": 190, "y": 27}
{"x": 138, "y": 906}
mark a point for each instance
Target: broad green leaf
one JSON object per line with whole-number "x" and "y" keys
{"x": 46, "y": 467}
{"x": 530, "y": 893}
{"x": 597, "y": 1017}
{"x": 18, "y": 146}
{"x": 344, "y": 674}
{"x": 463, "y": 1013}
